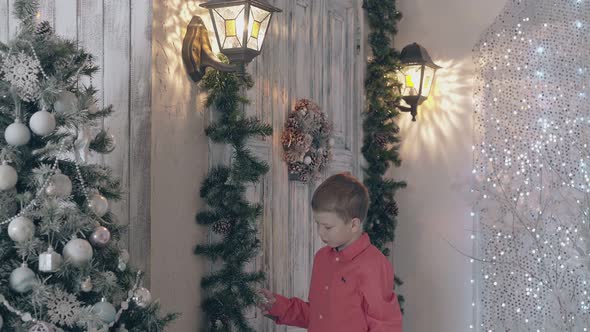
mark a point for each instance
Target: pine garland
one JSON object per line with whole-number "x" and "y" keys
{"x": 381, "y": 133}
{"x": 231, "y": 289}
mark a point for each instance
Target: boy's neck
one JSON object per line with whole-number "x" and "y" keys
{"x": 344, "y": 246}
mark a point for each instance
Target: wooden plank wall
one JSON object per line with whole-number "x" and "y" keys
{"x": 118, "y": 34}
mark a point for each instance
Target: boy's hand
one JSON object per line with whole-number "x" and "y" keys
{"x": 268, "y": 300}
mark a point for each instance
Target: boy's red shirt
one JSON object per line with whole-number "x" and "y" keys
{"x": 351, "y": 291}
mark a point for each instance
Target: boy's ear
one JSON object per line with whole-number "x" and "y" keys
{"x": 356, "y": 222}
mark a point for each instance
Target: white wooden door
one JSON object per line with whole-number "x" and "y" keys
{"x": 314, "y": 51}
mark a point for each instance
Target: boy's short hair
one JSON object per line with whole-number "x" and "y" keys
{"x": 343, "y": 194}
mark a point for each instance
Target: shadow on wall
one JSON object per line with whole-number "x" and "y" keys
{"x": 447, "y": 111}
{"x": 167, "y": 56}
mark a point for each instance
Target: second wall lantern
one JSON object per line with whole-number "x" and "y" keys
{"x": 416, "y": 77}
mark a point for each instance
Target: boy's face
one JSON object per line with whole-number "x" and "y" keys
{"x": 334, "y": 231}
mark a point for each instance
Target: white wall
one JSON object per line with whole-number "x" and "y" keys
{"x": 179, "y": 164}
{"x": 436, "y": 154}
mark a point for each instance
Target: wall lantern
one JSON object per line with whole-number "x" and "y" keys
{"x": 416, "y": 77}
{"x": 240, "y": 29}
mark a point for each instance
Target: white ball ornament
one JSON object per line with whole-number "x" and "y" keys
{"x": 8, "y": 176}
{"x": 59, "y": 186}
{"x": 307, "y": 160}
{"x": 105, "y": 311}
{"x": 17, "y": 134}
{"x": 78, "y": 252}
{"x": 22, "y": 279}
{"x": 42, "y": 123}
{"x": 66, "y": 102}
{"x": 98, "y": 204}
{"x": 21, "y": 229}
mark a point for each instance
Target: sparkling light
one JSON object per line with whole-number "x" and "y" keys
{"x": 530, "y": 169}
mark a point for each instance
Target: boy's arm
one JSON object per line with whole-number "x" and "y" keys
{"x": 293, "y": 311}
{"x": 380, "y": 302}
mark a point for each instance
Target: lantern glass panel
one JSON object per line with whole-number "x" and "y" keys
{"x": 427, "y": 81}
{"x": 257, "y": 27}
{"x": 230, "y": 25}
{"x": 409, "y": 77}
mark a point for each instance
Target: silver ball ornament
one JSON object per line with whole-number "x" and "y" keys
{"x": 86, "y": 285}
{"x": 98, "y": 204}
{"x": 105, "y": 311}
{"x": 17, "y": 134}
{"x": 66, "y": 102}
{"x": 100, "y": 237}
{"x": 142, "y": 297}
{"x": 22, "y": 279}
{"x": 124, "y": 256}
{"x": 42, "y": 327}
{"x": 59, "y": 186}
{"x": 307, "y": 160}
{"x": 93, "y": 108}
{"x": 8, "y": 176}
{"x": 78, "y": 252}
{"x": 42, "y": 123}
{"x": 21, "y": 229}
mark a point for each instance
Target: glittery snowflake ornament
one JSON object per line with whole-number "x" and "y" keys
{"x": 63, "y": 309}
{"x": 21, "y": 71}
{"x": 42, "y": 327}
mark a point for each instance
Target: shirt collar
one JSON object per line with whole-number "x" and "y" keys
{"x": 355, "y": 248}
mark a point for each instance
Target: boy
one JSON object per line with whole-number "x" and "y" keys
{"x": 352, "y": 281}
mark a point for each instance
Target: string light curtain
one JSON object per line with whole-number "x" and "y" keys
{"x": 531, "y": 160}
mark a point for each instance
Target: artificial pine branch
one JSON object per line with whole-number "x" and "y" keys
{"x": 231, "y": 290}
{"x": 381, "y": 133}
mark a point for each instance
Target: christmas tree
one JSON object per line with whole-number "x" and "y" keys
{"x": 62, "y": 267}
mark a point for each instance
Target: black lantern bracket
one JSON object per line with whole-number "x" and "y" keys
{"x": 197, "y": 53}
{"x": 412, "y": 109}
